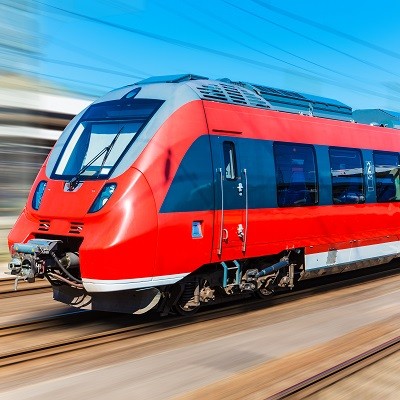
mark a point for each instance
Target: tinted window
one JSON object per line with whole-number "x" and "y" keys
{"x": 347, "y": 176}
{"x": 102, "y": 136}
{"x": 296, "y": 179}
{"x": 230, "y": 160}
{"x": 130, "y": 109}
{"x": 387, "y": 176}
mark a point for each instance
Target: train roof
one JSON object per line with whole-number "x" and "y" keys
{"x": 259, "y": 96}
{"x": 377, "y": 116}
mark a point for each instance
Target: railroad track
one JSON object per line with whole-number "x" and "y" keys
{"x": 7, "y": 288}
{"x": 145, "y": 325}
{"x": 339, "y": 372}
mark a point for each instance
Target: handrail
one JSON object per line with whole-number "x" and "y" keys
{"x": 219, "y": 251}
{"x": 247, "y": 212}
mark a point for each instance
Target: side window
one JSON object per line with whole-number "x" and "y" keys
{"x": 347, "y": 176}
{"x": 230, "y": 160}
{"x": 296, "y": 177}
{"x": 387, "y": 176}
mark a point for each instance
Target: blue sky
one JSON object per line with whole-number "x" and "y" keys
{"x": 347, "y": 50}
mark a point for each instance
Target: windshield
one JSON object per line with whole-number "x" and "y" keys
{"x": 102, "y": 136}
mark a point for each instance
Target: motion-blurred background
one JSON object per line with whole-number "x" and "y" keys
{"x": 56, "y": 57}
{"x": 33, "y": 110}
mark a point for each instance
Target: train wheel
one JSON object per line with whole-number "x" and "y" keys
{"x": 185, "y": 310}
{"x": 263, "y": 293}
{"x": 187, "y": 305}
{"x": 266, "y": 290}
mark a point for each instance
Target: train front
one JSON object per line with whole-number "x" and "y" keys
{"x": 91, "y": 213}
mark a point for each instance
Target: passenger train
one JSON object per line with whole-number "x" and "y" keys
{"x": 180, "y": 191}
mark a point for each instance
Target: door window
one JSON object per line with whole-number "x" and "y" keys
{"x": 230, "y": 161}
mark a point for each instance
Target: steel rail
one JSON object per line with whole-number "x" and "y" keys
{"x": 7, "y": 288}
{"x": 338, "y": 372}
{"x": 171, "y": 322}
{"x": 38, "y": 323}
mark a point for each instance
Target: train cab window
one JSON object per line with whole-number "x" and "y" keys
{"x": 102, "y": 136}
{"x": 347, "y": 176}
{"x": 230, "y": 160}
{"x": 387, "y": 178}
{"x": 296, "y": 177}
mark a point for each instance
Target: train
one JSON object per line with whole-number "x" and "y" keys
{"x": 180, "y": 191}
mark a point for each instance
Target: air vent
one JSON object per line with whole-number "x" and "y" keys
{"x": 228, "y": 93}
{"x": 76, "y": 228}
{"x": 234, "y": 94}
{"x": 212, "y": 92}
{"x": 44, "y": 225}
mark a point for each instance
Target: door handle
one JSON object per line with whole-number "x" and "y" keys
{"x": 240, "y": 231}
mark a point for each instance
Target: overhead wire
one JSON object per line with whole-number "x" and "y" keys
{"x": 324, "y": 79}
{"x": 209, "y": 50}
{"x": 260, "y": 39}
{"x": 35, "y": 73}
{"x": 93, "y": 55}
{"x": 365, "y": 62}
{"x": 224, "y": 35}
{"x": 81, "y": 66}
{"x": 329, "y": 29}
{"x": 178, "y": 42}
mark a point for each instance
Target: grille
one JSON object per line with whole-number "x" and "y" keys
{"x": 234, "y": 94}
{"x": 76, "y": 228}
{"x": 212, "y": 92}
{"x": 228, "y": 93}
{"x": 44, "y": 225}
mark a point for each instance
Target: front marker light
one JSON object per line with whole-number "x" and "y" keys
{"x": 38, "y": 195}
{"x": 103, "y": 197}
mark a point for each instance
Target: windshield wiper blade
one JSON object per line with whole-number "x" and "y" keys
{"x": 109, "y": 148}
{"x": 73, "y": 183}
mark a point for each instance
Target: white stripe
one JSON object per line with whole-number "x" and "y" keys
{"x": 102, "y": 285}
{"x": 353, "y": 254}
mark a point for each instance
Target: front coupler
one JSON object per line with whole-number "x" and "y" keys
{"x": 35, "y": 258}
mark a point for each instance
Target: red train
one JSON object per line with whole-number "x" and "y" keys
{"x": 179, "y": 191}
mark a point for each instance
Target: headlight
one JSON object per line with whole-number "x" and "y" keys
{"x": 103, "y": 197}
{"x": 38, "y": 195}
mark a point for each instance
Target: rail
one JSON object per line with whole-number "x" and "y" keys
{"x": 24, "y": 288}
{"x": 338, "y": 372}
{"x": 134, "y": 327}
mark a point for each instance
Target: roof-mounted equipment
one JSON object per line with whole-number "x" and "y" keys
{"x": 171, "y": 79}
{"x": 378, "y": 117}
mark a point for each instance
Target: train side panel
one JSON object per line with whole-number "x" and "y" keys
{"x": 272, "y": 229}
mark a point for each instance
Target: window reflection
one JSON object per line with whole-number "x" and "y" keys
{"x": 295, "y": 174}
{"x": 347, "y": 176}
{"x": 387, "y": 176}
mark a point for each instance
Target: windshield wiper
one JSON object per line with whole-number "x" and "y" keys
{"x": 73, "y": 183}
{"x": 109, "y": 148}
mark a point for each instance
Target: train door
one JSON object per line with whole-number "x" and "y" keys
{"x": 231, "y": 201}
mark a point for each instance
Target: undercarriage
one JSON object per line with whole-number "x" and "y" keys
{"x": 56, "y": 260}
